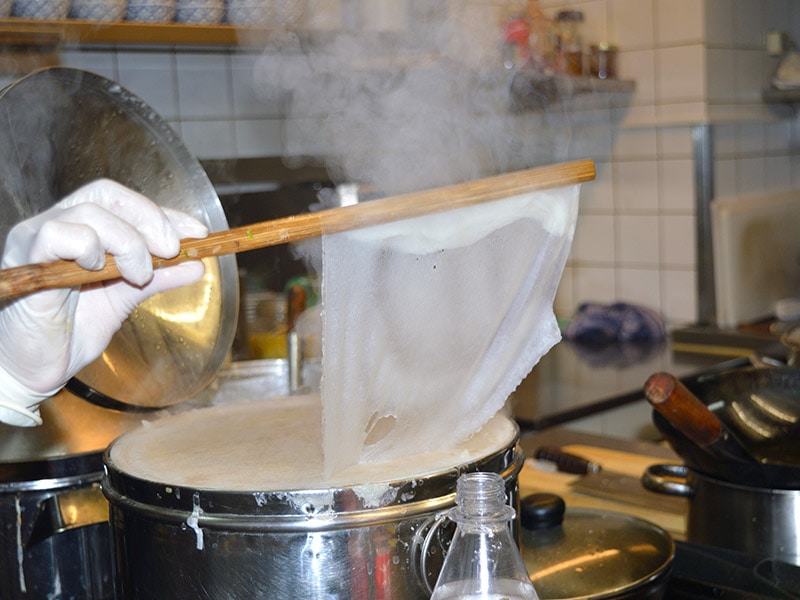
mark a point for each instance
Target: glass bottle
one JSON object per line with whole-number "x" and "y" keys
{"x": 516, "y": 41}
{"x": 483, "y": 562}
{"x": 602, "y": 61}
{"x": 570, "y": 42}
{"x": 542, "y": 34}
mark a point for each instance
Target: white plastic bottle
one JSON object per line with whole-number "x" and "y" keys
{"x": 483, "y": 562}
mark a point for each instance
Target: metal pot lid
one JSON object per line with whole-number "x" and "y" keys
{"x": 69, "y": 443}
{"x": 62, "y": 128}
{"x": 590, "y": 554}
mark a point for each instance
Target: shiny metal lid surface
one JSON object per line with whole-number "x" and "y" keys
{"x": 62, "y": 128}
{"x": 69, "y": 443}
{"x": 592, "y": 554}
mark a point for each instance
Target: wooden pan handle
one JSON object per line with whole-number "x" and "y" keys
{"x": 19, "y": 281}
{"x": 682, "y": 409}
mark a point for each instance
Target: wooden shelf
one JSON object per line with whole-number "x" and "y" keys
{"x": 533, "y": 91}
{"x": 31, "y": 32}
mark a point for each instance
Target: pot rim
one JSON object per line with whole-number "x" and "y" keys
{"x": 308, "y": 510}
{"x": 288, "y": 509}
{"x": 692, "y": 474}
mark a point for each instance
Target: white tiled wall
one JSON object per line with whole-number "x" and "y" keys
{"x": 207, "y": 96}
{"x": 693, "y": 61}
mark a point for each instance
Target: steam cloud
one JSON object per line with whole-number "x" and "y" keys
{"x": 405, "y": 110}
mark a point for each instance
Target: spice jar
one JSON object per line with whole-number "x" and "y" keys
{"x": 603, "y": 61}
{"x": 267, "y": 330}
{"x": 570, "y": 42}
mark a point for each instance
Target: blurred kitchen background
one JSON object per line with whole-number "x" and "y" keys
{"x": 683, "y": 121}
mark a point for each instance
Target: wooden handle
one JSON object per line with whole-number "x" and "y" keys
{"x": 566, "y": 462}
{"x": 682, "y": 409}
{"x": 19, "y": 281}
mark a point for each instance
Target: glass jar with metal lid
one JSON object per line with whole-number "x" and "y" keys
{"x": 570, "y": 42}
{"x": 603, "y": 61}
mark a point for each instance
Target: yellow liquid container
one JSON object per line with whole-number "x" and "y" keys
{"x": 267, "y": 344}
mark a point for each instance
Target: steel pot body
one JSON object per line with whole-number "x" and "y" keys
{"x": 366, "y": 541}
{"x": 55, "y": 540}
{"x": 761, "y": 522}
{"x": 248, "y": 380}
{"x": 54, "y": 532}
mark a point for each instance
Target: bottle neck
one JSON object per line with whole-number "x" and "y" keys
{"x": 492, "y": 519}
{"x": 481, "y": 498}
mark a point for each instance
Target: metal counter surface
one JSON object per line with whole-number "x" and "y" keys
{"x": 573, "y": 382}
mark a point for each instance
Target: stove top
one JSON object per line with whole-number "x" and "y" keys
{"x": 701, "y": 572}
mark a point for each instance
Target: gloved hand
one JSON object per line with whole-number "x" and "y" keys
{"x": 49, "y": 336}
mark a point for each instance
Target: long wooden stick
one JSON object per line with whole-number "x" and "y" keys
{"x": 19, "y": 281}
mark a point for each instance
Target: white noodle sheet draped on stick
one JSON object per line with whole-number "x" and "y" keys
{"x": 430, "y": 323}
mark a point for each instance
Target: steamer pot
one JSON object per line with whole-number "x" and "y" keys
{"x": 760, "y": 522}
{"x": 55, "y": 539}
{"x": 379, "y": 539}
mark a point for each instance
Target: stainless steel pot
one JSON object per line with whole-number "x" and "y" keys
{"x": 372, "y": 540}
{"x": 248, "y": 380}
{"x": 55, "y": 541}
{"x": 761, "y": 522}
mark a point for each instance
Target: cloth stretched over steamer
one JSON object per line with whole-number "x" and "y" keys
{"x": 430, "y": 323}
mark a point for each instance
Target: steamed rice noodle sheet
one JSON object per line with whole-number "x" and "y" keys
{"x": 430, "y": 323}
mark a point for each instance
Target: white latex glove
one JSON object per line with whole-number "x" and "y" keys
{"x": 49, "y": 336}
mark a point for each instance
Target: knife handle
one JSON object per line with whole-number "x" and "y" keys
{"x": 565, "y": 461}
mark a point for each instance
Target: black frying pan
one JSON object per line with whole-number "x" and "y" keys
{"x": 761, "y": 409}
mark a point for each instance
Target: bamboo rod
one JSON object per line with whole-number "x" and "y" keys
{"x": 19, "y": 281}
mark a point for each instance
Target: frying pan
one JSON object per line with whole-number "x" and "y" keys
{"x": 761, "y": 409}
{"x": 687, "y": 413}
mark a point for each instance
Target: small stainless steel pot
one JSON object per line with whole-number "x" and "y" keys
{"x": 760, "y": 522}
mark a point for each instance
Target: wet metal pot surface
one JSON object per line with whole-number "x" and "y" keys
{"x": 55, "y": 541}
{"x": 756, "y": 521}
{"x": 189, "y": 538}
